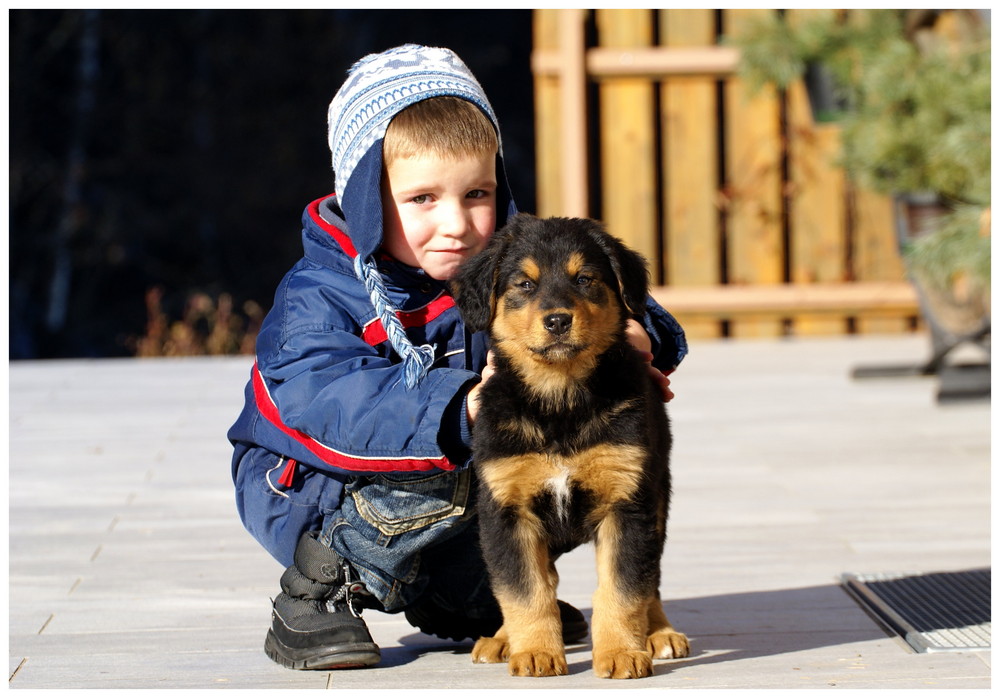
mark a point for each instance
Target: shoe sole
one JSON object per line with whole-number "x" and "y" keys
{"x": 355, "y": 656}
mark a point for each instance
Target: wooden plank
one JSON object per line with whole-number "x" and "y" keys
{"x": 628, "y": 151}
{"x": 818, "y": 203}
{"x": 884, "y": 297}
{"x": 690, "y": 165}
{"x": 560, "y": 116}
{"x": 753, "y": 176}
{"x": 179, "y": 597}
{"x": 648, "y": 61}
{"x": 876, "y": 254}
{"x": 548, "y": 186}
{"x": 573, "y": 109}
{"x": 875, "y": 251}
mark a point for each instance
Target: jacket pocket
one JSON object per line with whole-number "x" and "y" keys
{"x": 399, "y": 503}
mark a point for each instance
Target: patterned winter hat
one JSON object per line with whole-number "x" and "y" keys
{"x": 378, "y": 87}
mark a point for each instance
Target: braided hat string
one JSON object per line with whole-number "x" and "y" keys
{"x": 416, "y": 360}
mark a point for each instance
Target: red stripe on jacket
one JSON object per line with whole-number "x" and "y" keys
{"x": 374, "y": 332}
{"x": 333, "y": 231}
{"x": 344, "y": 461}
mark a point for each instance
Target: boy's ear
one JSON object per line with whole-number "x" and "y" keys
{"x": 629, "y": 267}
{"x": 476, "y": 285}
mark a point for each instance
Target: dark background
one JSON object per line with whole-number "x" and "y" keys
{"x": 176, "y": 149}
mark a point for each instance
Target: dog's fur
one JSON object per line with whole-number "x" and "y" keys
{"x": 571, "y": 444}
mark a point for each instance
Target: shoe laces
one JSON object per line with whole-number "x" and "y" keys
{"x": 348, "y": 593}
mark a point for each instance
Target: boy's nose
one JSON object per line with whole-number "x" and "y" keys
{"x": 452, "y": 220}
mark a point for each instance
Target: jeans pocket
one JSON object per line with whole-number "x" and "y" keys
{"x": 399, "y": 503}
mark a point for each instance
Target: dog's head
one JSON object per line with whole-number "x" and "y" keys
{"x": 552, "y": 292}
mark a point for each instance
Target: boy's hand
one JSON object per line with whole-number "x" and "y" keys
{"x": 639, "y": 339}
{"x": 472, "y": 401}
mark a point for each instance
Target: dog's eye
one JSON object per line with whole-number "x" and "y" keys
{"x": 526, "y": 285}
{"x": 584, "y": 280}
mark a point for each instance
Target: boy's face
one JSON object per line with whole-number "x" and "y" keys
{"x": 437, "y": 212}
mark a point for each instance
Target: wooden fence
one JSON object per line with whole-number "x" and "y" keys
{"x": 750, "y": 227}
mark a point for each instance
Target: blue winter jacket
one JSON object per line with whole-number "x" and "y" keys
{"x": 326, "y": 399}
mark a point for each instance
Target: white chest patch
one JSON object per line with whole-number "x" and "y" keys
{"x": 558, "y": 485}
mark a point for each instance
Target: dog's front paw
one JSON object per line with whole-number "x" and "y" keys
{"x": 623, "y": 664}
{"x": 668, "y": 644}
{"x": 490, "y": 650}
{"x": 538, "y": 663}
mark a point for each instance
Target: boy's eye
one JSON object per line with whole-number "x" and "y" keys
{"x": 419, "y": 199}
{"x": 476, "y": 194}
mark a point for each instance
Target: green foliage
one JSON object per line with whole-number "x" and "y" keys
{"x": 958, "y": 248}
{"x": 917, "y": 119}
{"x": 918, "y": 116}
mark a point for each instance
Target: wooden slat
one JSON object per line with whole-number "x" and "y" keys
{"x": 628, "y": 162}
{"x": 561, "y": 116}
{"x": 876, "y": 253}
{"x": 818, "y": 203}
{"x": 548, "y": 185}
{"x": 753, "y": 162}
{"x": 648, "y": 61}
{"x": 573, "y": 109}
{"x": 690, "y": 166}
{"x": 786, "y": 300}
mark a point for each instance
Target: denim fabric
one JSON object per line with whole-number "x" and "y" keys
{"x": 408, "y": 535}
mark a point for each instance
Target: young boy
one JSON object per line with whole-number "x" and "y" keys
{"x": 352, "y": 454}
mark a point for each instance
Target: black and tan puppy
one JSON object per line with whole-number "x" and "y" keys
{"x": 571, "y": 444}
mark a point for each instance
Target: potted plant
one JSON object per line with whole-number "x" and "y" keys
{"x": 911, "y": 90}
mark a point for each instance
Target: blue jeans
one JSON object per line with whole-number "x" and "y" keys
{"x": 414, "y": 535}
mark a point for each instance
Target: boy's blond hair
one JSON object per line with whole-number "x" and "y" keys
{"x": 447, "y": 127}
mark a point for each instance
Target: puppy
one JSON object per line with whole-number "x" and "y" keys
{"x": 571, "y": 444}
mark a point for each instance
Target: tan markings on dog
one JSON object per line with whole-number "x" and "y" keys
{"x": 526, "y": 429}
{"x": 575, "y": 264}
{"x": 619, "y": 626}
{"x": 530, "y": 268}
{"x": 492, "y": 650}
{"x": 603, "y": 419}
{"x": 663, "y": 641}
{"x": 531, "y": 639}
{"x": 514, "y": 481}
{"x": 611, "y": 472}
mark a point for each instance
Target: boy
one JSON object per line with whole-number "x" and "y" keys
{"x": 352, "y": 454}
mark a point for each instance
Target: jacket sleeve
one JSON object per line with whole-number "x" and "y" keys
{"x": 340, "y": 406}
{"x": 667, "y": 336}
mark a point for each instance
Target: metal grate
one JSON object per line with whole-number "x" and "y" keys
{"x": 933, "y": 612}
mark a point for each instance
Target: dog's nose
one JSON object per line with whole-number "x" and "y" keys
{"x": 558, "y": 323}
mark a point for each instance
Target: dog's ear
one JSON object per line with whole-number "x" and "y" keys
{"x": 629, "y": 267}
{"x": 474, "y": 287}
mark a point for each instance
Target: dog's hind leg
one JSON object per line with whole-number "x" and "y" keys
{"x": 492, "y": 650}
{"x": 664, "y": 642}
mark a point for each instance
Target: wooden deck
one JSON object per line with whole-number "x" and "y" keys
{"x": 128, "y": 566}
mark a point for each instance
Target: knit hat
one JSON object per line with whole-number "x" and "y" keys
{"x": 378, "y": 87}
